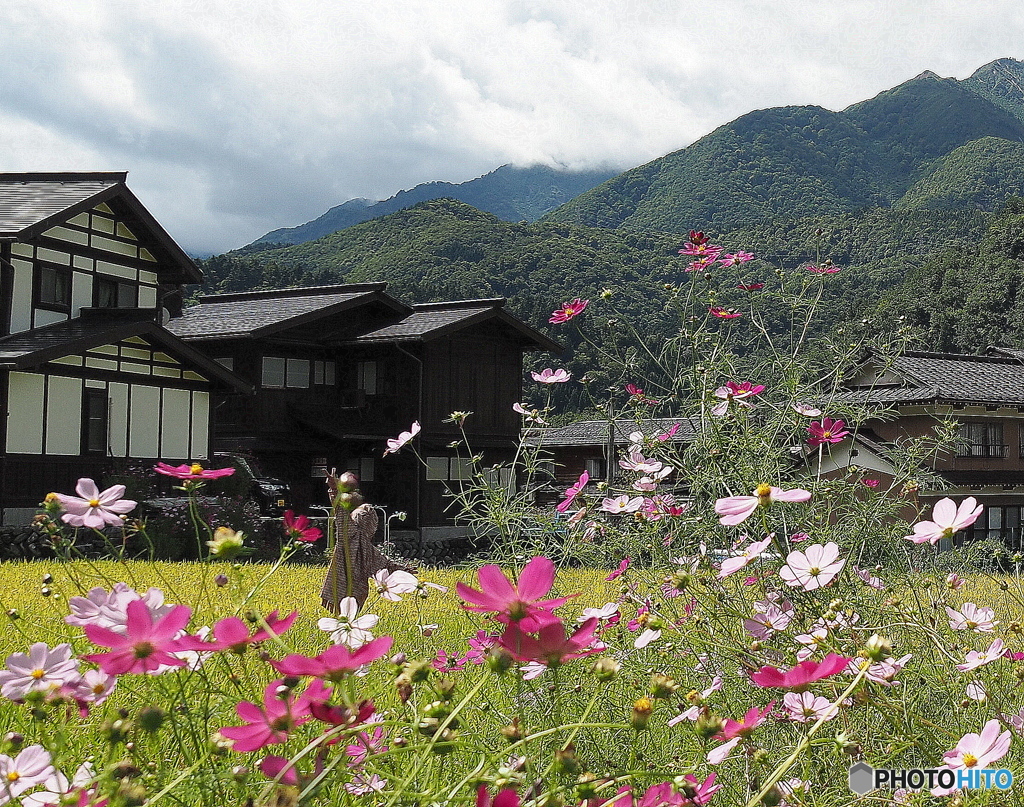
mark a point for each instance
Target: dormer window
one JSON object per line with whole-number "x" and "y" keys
{"x": 110, "y": 293}
{"x": 53, "y": 287}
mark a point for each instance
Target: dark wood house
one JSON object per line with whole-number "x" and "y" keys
{"x": 340, "y": 369}
{"x": 984, "y": 394}
{"x": 88, "y": 377}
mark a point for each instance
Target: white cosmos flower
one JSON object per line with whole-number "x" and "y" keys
{"x": 349, "y": 629}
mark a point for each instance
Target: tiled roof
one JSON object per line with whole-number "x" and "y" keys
{"x": 27, "y": 199}
{"x": 259, "y": 312}
{"x": 99, "y": 327}
{"x": 595, "y": 432}
{"x": 429, "y": 318}
{"x": 948, "y": 377}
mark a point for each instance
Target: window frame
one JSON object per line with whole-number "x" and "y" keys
{"x": 982, "y": 439}
{"x": 120, "y": 287}
{"x": 37, "y": 286}
{"x": 90, "y": 397}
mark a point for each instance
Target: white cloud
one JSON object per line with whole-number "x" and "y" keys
{"x": 236, "y": 118}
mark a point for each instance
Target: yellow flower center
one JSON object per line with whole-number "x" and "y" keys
{"x": 37, "y": 674}
{"x": 196, "y": 469}
{"x": 814, "y": 571}
{"x": 826, "y": 435}
{"x": 94, "y": 502}
{"x": 971, "y": 625}
{"x": 970, "y": 760}
{"x": 13, "y": 776}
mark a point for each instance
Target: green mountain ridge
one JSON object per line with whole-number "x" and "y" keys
{"x": 511, "y": 193}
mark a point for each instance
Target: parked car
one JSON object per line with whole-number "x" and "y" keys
{"x": 272, "y": 495}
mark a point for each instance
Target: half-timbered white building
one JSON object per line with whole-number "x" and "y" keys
{"x": 87, "y": 373}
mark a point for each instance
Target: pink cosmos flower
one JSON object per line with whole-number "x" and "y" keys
{"x": 736, "y": 258}
{"x": 881, "y": 672}
{"x": 615, "y": 575}
{"x": 395, "y": 444}
{"x": 813, "y": 568}
{"x": 869, "y": 579}
{"x": 954, "y": 581}
{"x": 232, "y": 633}
{"x": 745, "y": 727}
{"x": 504, "y": 798}
{"x": 669, "y": 434}
{"x": 568, "y": 311}
{"x": 979, "y": 750}
{"x": 445, "y": 663}
{"x": 572, "y": 492}
{"x": 699, "y": 244}
{"x": 702, "y": 263}
{"x": 735, "y": 393}
{"x": 750, "y": 286}
{"x": 737, "y": 509}
{"x": 532, "y": 415}
{"x": 636, "y": 461}
{"x": 552, "y": 645}
{"x": 716, "y": 756}
{"x": 737, "y": 562}
{"x": 193, "y": 471}
{"x": 803, "y": 674}
{"x": 765, "y": 624}
{"x": 622, "y": 504}
{"x": 33, "y": 766}
{"x": 147, "y": 644}
{"x": 824, "y": 269}
{"x": 298, "y": 528}
{"x": 336, "y": 662}
{"x": 947, "y": 520}
{"x": 723, "y": 313}
{"x": 549, "y": 376}
{"x": 515, "y": 603}
{"x": 282, "y": 711}
{"x": 972, "y": 617}
{"x": 40, "y": 670}
{"x": 94, "y": 509}
{"x": 108, "y": 609}
{"x": 870, "y": 483}
{"x": 826, "y": 431}
{"x": 804, "y": 707}
{"x": 807, "y": 410}
{"x": 979, "y": 658}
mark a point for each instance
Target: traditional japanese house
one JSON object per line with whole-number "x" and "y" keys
{"x": 338, "y": 370}
{"x": 88, "y": 377}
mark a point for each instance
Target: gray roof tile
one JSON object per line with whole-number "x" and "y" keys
{"x": 27, "y": 199}
{"x": 595, "y": 432}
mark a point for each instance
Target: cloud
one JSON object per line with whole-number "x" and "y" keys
{"x": 235, "y": 119}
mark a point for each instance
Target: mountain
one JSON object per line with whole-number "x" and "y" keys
{"x": 980, "y": 174}
{"x": 796, "y": 161}
{"x": 510, "y": 193}
{"x": 1002, "y": 83}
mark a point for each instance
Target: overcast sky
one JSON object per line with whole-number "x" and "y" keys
{"x": 235, "y": 117}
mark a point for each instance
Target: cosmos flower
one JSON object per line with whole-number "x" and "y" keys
{"x": 568, "y": 311}
{"x": 95, "y": 509}
{"x": 549, "y": 376}
{"x": 735, "y": 393}
{"x": 298, "y": 528}
{"x": 735, "y": 510}
{"x": 737, "y": 562}
{"x": 803, "y": 707}
{"x": 947, "y": 520}
{"x": 979, "y": 658}
{"x": 146, "y": 645}
{"x": 622, "y": 504}
{"x": 803, "y": 674}
{"x": 39, "y": 670}
{"x": 813, "y": 568}
{"x": 723, "y": 313}
{"x": 193, "y": 471}
{"x": 735, "y": 258}
{"x": 396, "y": 444}
{"x": 515, "y": 602}
{"x": 826, "y": 431}
{"x": 348, "y": 628}
{"x": 979, "y": 750}
{"x": 572, "y": 492}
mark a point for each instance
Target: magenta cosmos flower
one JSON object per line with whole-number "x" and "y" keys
{"x": 147, "y": 644}
{"x": 503, "y": 798}
{"x": 979, "y": 750}
{"x": 699, "y": 245}
{"x": 549, "y": 376}
{"x": 193, "y": 471}
{"x": 232, "y": 633}
{"x": 568, "y": 311}
{"x": 735, "y": 393}
{"x": 735, "y": 510}
{"x": 281, "y": 712}
{"x": 826, "y": 430}
{"x": 723, "y": 313}
{"x": 299, "y": 529}
{"x": 520, "y": 602}
{"x": 95, "y": 509}
{"x": 735, "y": 258}
{"x": 572, "y": 492}
{"x": 335, "y": 662}
{"x": 745, "y": 727}
{"x": 815, "y": 567}
{"x": 552, "y": 646}
{"x": 947, "y": 520}
{"x": 394, "y": 445}
{"x": 803, "y": 674}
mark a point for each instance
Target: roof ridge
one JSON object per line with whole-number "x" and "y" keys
{"x": 494, "y": 302}
{"x": 63, "y": 176}
{"x": 293, "y": 291}
{"x": 968, "y": 357}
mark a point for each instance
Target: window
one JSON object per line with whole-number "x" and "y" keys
{"x": 366, "y": 377}
{"x": 363, "y": 467}
{"x": 596, "y": 469}
{"x": 94, "y": 422}
{"x": 981, "y": 440}
{"x": 324, "y": 373}
{"x": 279, "y": 372}
{"x": 53, "y": 287}
{"x": 449, "y": 469}
{"x": 998, "y": 523}
{"x": 227, "y": 362}
{"x": 110, "y": 293}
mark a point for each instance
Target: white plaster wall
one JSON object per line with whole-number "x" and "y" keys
{"x": 25, "y": 413}
{"x": 144, "y": 417}
{"x": 64, "y": 416}
{"x": 174, "y": 441}
{"x": 200, "y": 425}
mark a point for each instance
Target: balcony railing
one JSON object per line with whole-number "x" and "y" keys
{"x": 983, "y": 451}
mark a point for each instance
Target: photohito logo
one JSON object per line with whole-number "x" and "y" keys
{"x": 864, "y": 778}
